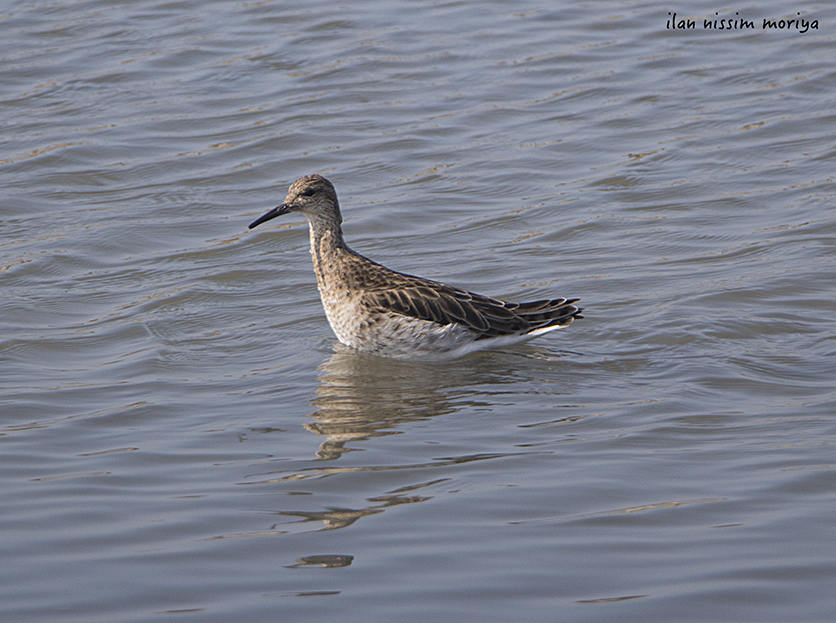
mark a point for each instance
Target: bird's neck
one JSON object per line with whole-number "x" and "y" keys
{"x": 326, "y": 244}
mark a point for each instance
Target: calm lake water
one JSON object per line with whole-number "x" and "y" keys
{"x": 183, "y": 439}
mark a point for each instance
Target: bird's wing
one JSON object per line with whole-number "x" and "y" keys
{"x": 443, "y": 304}
{"x": 386, "y": 290}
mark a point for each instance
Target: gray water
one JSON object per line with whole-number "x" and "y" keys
{"x": 181, "y": 436}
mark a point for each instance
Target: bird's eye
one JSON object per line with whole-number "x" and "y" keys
{"x": 308, "y": 192}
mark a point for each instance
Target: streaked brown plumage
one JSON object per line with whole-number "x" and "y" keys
{"x": 379, "y": 310}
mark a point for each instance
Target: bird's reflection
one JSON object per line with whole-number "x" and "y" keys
{"x": 362, "y": 396}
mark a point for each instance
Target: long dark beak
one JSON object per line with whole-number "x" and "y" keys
{"x": 277, "y": 211}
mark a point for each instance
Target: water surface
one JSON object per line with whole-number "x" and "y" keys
{"x": 182, "y": 438}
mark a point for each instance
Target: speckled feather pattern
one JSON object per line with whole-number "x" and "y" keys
{"x": 378, "y": 310}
